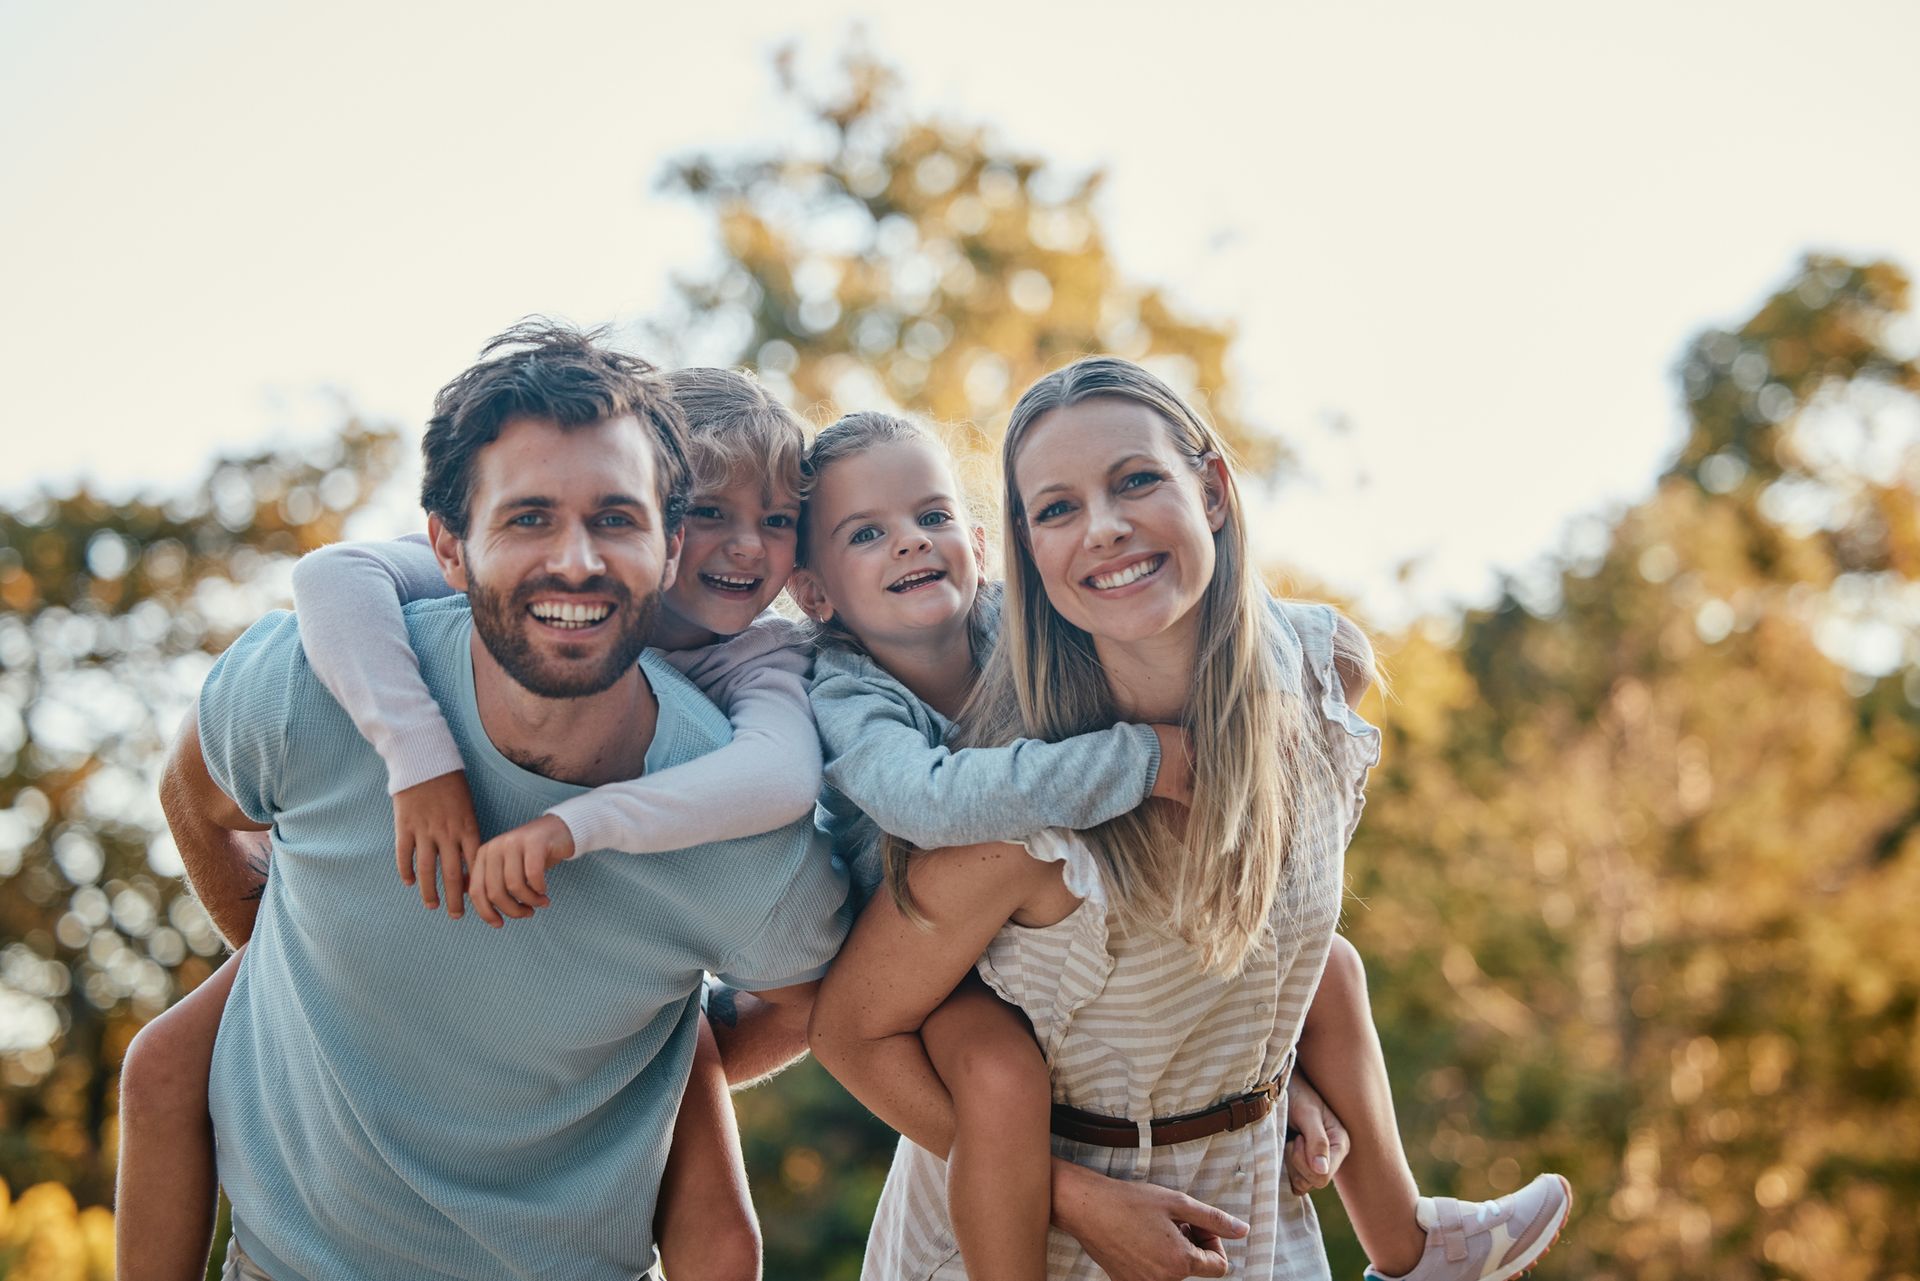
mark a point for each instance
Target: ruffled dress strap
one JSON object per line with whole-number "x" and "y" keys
{"x": 1353, "y": 744}
{"x": 1051, "y": 971}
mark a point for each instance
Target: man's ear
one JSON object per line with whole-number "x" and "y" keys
{"x": 1216, "y": 492}
{"x": 451, "y": 551}
{"x": 671, "y": 570}
{"x": 810, "y": 595}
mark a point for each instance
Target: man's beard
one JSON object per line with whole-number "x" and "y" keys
{"x": 503, "y": 620}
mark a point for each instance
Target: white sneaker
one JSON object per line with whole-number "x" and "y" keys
{"x": 1488, "y": 1240}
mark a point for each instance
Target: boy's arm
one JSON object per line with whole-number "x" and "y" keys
{"x": 934, "y": 797}
{"x": 759, "y": 1033}
{"x": 767, "y": 777}
{"x": 348, "y": 599}
{"x": 223, "y": 849}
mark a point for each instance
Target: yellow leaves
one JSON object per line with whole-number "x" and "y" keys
{"x": 45, "y": 1236}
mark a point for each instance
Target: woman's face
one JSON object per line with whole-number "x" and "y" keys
{"x": 890, "y": 550}
{"x": 1118, "y": 521}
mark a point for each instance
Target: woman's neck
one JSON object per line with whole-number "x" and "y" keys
{"x": 1152, "y": 679}
{"x": 938, "y": 670}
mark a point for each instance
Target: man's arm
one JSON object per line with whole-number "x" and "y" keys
{"x": 759, "y": 1032}
{"x": 225, "y": 852}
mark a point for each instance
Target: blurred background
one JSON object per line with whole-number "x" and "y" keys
{"x": 1573, "y": 351}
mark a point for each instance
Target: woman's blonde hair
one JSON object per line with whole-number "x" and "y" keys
{"x": 1261, "y": 771}
{"x": 737, "y": 432}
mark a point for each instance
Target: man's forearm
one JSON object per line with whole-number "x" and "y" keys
{"x": 757, "y": 1037}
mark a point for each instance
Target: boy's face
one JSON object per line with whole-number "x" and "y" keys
{"x": 738, "y": 554}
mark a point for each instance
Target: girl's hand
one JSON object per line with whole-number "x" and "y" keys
{"x": 1140, "y": 1231}
{"x": 510, "y": 871}
{"x": 1174, "y": 781}
{"x": 434, "y": 826}
{"x": 1315, "y": 1153}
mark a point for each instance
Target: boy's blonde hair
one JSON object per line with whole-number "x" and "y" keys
{"x": 1261, "y": 772}
{"x": 738, "y": 432}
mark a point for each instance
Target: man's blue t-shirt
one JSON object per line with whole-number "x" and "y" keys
{"x": 397, "y": 1094}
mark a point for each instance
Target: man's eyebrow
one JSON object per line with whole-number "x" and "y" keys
{"x": 618, "y": 499}
{"x": 531, "y": 500}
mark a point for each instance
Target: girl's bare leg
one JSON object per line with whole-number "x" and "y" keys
{"x": 1340, "y": 1053}
{"x": 705, "y": 1225}
{"x": 165, "y": 1198}
{"x": 1000, "y": 1167}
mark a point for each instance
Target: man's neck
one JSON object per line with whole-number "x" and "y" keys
{"x": 601, "y": 738}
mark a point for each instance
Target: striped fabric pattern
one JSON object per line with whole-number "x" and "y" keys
{"x": 1132, "y": 1028}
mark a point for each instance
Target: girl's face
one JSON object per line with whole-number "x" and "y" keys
{"x": 1118, "y": 521}
{"x": 890, "y": 551}
{"x": 737, "y": 555}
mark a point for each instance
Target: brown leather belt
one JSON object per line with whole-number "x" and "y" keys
{"x": 1235, "y": 1113}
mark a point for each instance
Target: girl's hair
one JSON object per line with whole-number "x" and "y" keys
{"x": 1261, "y": 771}
{"x": 736, "y": 432}
{"x": 855, "y": 434}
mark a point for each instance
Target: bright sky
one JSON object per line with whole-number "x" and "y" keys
{"x": 1478, "y": 234}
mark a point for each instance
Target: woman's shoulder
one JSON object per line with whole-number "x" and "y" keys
{"x": 1326, "y": 643}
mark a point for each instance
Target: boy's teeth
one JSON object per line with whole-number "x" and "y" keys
{"x": 1121, "y": 577}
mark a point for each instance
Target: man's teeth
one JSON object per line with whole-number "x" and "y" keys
{"x": 567, "y": 615}
{"x": 1131, "y": 574}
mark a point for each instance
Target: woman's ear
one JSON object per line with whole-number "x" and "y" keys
{"x": 810, "y": 595}
{"x": 1215, "y": 490}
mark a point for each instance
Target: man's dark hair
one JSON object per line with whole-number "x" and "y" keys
{"x": 551, "y": 371}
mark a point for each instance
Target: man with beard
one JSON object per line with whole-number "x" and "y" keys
{"x": 399, "y": 1095}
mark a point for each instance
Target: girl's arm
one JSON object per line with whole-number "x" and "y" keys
{"x": 934, "y": 797}
{"x": 348, "y": 600}
{"x": 888, "y": 979}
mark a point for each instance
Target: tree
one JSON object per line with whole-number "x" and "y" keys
{"x": 113, "y": 612}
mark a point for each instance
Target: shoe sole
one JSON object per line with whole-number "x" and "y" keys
{"x": 1525, "y": 1263}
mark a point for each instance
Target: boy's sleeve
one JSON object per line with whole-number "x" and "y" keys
{"x": 933, "y": 796}
{"x": 245, "y": 704}
{"x": 801, "y": 935}
{"x": 349, "y": 598}
{"x": 768, "y": 776}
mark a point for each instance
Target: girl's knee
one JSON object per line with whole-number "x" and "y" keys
{"x": 1345, "y": 973}
{"x": 1000, "y": 1079}
{"x": 166, "y": 1066}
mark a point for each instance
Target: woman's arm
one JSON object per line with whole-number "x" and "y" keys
{"x": 348, "y": 600}
{"x": 890, "y": 976}
{"x": 934, "y": 797}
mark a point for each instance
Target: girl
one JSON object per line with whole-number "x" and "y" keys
{"x": 1165, "y": 959}
{"x": 740, "y": 532}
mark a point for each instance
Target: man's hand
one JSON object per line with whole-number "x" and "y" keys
{"x": 1140, "y": 1231}
{"x": 434, "y": 827}
{"x": 1174, "y": 781}
{"x": 510, "y": 871}
{"x": 1315, "y": 1153}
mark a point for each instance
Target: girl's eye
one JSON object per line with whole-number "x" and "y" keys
{"x": 1141, "y": 479}
{"x": 865, "y": 534}
{"x": 1057, "y": 507}
{"x": 936, "y": 518}
{"x": 779, "y": 520}
{"x": 705, "y": 511}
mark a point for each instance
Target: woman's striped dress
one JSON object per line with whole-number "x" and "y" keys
{"x": 1132, "y": 1028}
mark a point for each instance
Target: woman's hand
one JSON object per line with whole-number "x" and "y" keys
{"x": 1140, "y": 1231}
{"x": 510, "y": 871}
{"x": 1316, "y": 1151}
{"x": 434, "y": 826}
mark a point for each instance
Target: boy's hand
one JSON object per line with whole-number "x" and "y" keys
{"x": 510, "y": 871}
{"x": 434, "y": 826}
{"x": 1321, "y": 1145}
{"x": 1174, "y": 781}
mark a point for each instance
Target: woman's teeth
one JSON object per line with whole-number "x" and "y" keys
{"x": 736, "y": 584}
{"x": 558, "y": 614}
{"x": 921, "y": 579}
{"x": 1131, "y": 574}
